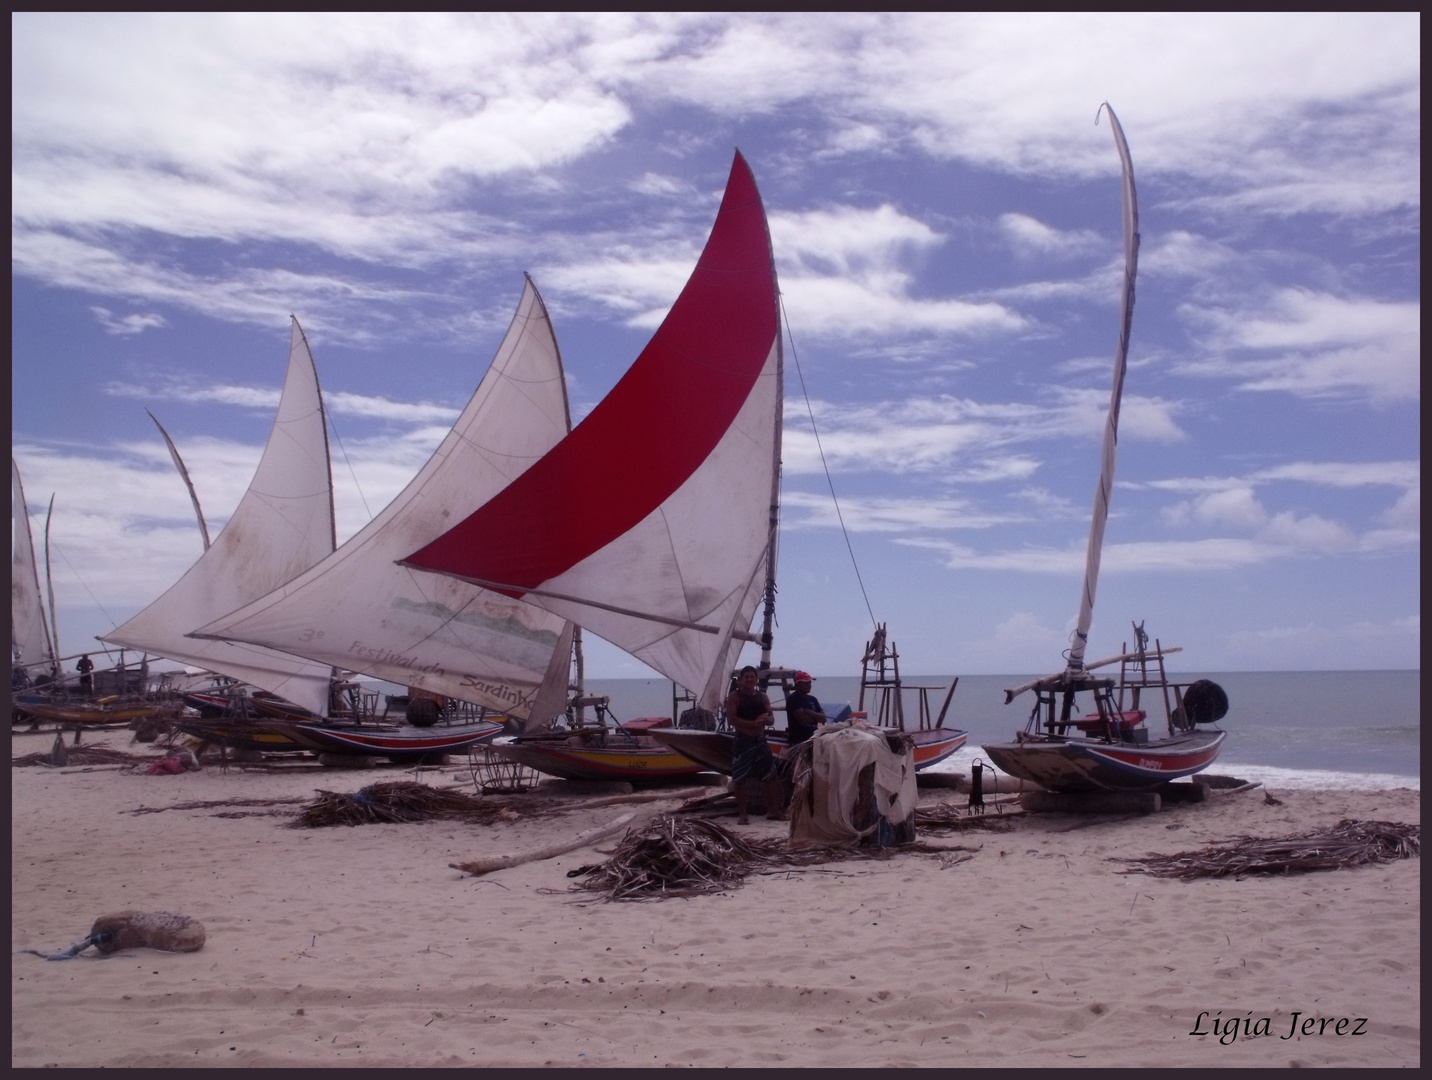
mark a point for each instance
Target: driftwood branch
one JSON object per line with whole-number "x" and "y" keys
{"x": 501, "y": 862}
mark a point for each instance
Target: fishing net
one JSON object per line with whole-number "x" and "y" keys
{"x": 1346, "y": 844}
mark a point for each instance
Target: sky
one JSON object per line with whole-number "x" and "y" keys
{"x": 946, "y": 223}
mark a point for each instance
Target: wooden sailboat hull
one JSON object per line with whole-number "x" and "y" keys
{"x": 62, "y": 712}
{"x": 1096, "y": 765}
{"x": 642, "y": 759}
{"x": 712, "y": 749}
{"x": 239, "y": 733}
{"x": 389, "y": 740}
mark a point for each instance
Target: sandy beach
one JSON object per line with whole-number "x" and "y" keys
{"x": 361, "y": 947}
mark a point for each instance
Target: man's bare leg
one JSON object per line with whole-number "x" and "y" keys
{"x": 773, "y": 800}
{"x": 741, "y": 803}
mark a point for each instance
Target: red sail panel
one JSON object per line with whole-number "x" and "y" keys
{"x": 646, "y": 438}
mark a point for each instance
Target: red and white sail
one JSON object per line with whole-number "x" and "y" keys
{"x": 30, "y": 644}
{"x": 649, "y": 523}
{"x": 281, "y": 527}
{"x": 1111, "y": 425}
{"x": 357, "y": 609}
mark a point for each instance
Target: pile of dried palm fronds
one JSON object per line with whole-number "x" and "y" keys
{"x": 691, "y": 856}
{"x": 82, "y": 755}
{"x": 394, "y": 801}
{"x": 1348, "y": 843}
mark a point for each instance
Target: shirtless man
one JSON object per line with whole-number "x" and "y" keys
{"x": 749, "y": 712}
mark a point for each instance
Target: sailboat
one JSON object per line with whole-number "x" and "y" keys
{"x": 671, "y": 558}
{"x": 1112, "y": 748}
{"x": 357, "y": 609}
{"x": 32, "y": 651}
{"x": 282, "y": 525}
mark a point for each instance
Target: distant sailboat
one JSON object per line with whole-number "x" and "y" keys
{"x": 282, "y": 525}
{"x": 1112, "y": 747}
{"x": 32, "y": 651}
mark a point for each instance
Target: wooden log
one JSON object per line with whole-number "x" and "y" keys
{"x": 1091, "y": 802}
{"x": 989, "y": 785}
{"x": 501, "y": 862}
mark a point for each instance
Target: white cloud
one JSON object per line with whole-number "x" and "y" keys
{"x": 126, "y": 324}
{"x": 1030, "y": 236}
{"x": 1321, "y": 345}
{"x": 1406, "y": 513}
{"x": 802, "y": 510}
{"x": 1363, "y": 643}
{"x": 958, "y": 435}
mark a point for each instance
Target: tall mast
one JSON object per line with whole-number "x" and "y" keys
{"x": 1111, "y": 426}
{"x": 184, "y": 474}
{"x": 50, "y": 587}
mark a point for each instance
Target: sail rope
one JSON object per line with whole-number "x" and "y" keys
{"x": 61, "y": 553}
{"x": 811, "y": 412}
{"x": 334, "y": 425}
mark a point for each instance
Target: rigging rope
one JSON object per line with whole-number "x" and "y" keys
{"x": 60, "y": 552}
{"x": 346, "y": 461}
{"x": 811, "y": 412}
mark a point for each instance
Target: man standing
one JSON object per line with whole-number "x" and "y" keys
{"x": 84, "y": 666}
{"x": 749, "y": 712}
{"x": 803, "y": 712}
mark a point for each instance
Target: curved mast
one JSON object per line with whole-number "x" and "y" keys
{"x": 184, "y": 475}
{"x": 1111, "y": 426}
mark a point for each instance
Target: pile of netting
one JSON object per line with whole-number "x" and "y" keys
{"x": 691, "y": 856}
{"x": 395, "y": 801}
{"x": 1346, "y": 844}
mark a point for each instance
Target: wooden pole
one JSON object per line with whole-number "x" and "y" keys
{"x": 501, "y": 862}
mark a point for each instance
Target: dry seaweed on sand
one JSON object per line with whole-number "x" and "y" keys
{"x": 391, "y": 802}
{"x": 691, "y": 856}
{"x": 83, "y": 755}
{"x": 212, "y": 803}
{"x": 1346, "y": 844}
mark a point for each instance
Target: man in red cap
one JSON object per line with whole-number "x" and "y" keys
{"x": 803, "y": 712}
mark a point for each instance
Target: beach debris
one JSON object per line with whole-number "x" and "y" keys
{"x": 581, "y": 840}
{"x": 135, "y": 929}
{"x": 1348, "y": 843}
{"x": 393, "y": 801}
{"x": 80, "y": 755}
{"x": 691, "y": 856}
{"x": 181, "y": 761}
{"x": 1269, "y": 800}
{"x": 946, "y": 815}
{"x": 213, "y": 803}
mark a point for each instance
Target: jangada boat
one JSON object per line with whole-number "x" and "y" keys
{"x": 356, "y": 610}
{"x": 671, "y": 562}
{"x": 1112, "y": 747}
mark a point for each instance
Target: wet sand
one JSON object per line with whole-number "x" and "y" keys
{"x": 361, "y": 947}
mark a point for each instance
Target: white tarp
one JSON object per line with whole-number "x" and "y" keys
{"x": 358, "y": 610}
{"x": 281, "y": 527}
{"x": 29, "y": 634}
{"x": 824, "y": 813}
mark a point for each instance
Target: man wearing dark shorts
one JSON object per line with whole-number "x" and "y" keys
{"x": 749, "y": 712}
{"x": 803, "y": 712}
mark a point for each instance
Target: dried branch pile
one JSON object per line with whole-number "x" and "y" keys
{"x": 1346, "y": 844}
{"x": 394, "y": 801}
{"x": 83, "y": 755}
{"x": 692, "y": 856}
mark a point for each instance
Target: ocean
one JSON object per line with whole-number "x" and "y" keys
{"x": 1313, "y": 729}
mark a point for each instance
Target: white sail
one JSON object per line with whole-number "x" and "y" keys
{"x": 29, "y": 633}
{"x": 1111, "y": 425}
{"x": 647, "y": 523}
{"x": 357, "y": 609}
{"x": 281, "y": 527}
